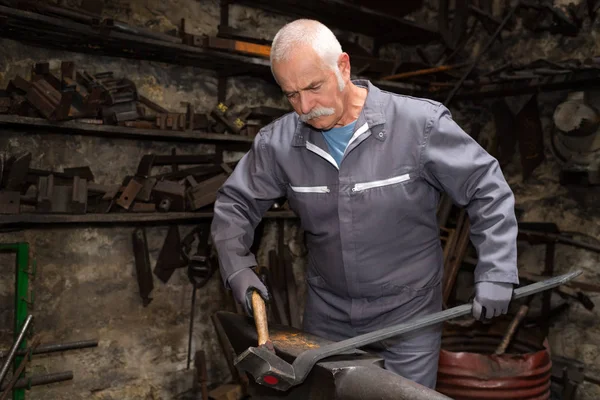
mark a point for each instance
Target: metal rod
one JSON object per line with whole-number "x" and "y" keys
{"x": 55, "y": 347}
{"x": 512, "y": 329}
{"x": 189, "y": 357}
{"x": 13, "y": 350}
{"x": 481, "y": 53}
{"x": 425, "y": 71}
{"x": 36, "y": 380}
{"x": 561, "y": 239}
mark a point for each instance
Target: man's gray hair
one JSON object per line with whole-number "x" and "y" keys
{"x": 313, "y": 33}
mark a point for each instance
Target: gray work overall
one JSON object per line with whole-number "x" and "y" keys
{"x": 374, "y": 251}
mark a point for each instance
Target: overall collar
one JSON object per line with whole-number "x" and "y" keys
{"x": 371, "y": 114}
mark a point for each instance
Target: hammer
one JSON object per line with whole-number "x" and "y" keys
{"x": 260, "y": 319}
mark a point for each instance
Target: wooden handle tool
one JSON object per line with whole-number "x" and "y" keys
{"x": 260, "y": 319}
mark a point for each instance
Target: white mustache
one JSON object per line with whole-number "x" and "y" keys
{"x": 316, "y": 112}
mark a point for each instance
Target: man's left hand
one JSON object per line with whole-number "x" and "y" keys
{"x": 491, "y": 299}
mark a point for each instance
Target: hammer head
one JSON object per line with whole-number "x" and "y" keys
{"x": 266, "y": 368}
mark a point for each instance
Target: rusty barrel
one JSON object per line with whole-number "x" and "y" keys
{"x": 469, "y": 369}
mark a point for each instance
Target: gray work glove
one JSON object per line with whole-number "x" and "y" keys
{"x": 242, "y": 284}
{"x": 491, "y": 299}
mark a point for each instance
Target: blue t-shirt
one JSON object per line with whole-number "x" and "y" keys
{"x": 337, "y": 140}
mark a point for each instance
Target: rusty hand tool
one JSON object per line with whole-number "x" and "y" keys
{"x": 512, "y": 328}
{"x": 267, "y": 369}
{"x": 260, "y": 319}
{"x": 34, "y": 343}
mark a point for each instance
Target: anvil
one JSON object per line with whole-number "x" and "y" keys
{"x": 355, "y": 375}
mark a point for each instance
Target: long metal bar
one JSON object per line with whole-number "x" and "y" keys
{"x": 557, "y": 237}
{"x": 56, "y": 347}
{"x": 306, "y": 360}
{"x": 36, "y": 380}
{"x": 425, "y": 71}
{"x": 13, "y": 349}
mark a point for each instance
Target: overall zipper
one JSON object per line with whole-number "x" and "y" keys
{"x": 359, "y": 187}
{"x": 310, "y": 189}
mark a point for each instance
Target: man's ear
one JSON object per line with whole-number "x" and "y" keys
{"x": 344, "y": 66}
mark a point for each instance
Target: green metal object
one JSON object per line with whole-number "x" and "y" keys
{"x": 21, "y": 297}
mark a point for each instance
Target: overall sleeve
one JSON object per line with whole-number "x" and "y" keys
{"x": 455, "y": 163}
{"x": 241, "y": 203}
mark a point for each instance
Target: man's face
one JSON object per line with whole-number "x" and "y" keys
{"x": 312, "y": 87}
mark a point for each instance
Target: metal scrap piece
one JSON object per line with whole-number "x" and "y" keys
{"x": 49, "y": 101}
{"x": 18, "y": 167}
{"x": 146, "y": 191}
{"x": 79, "y": 196}
{"x": 9, "y": 202}
{"x": 222, "y": 114}
{"x": 172, "y": 121}
{"x": 82, "y": 172}
{"x": 169, "y": 257}
{"x": 18, "y": 85}
{"x": 142, "y": 265}
{"x": 171, "y": 193}
{"x": 45, "y": 189}
{"x": 506, "y": 135}
{"x": 453, "y": 36}
{"x": 205, "y": 192}
{"x": 530, "y": 136}
{"x": 143, "y": 207}
{"x": 129, "y": 194}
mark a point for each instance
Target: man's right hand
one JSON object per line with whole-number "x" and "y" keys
{"x": 242, "y": 284}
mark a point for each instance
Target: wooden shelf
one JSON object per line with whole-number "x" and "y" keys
{"x": 61, "y": 33}
{"x": 382, "y": 26}
{"x": 73, "y": 127}
{"x": 119, "y": 218}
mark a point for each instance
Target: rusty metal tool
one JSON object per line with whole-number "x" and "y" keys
{"x": 268, "y": 369}
{"x": 13, "y": 349}
{"x": 512, "y": 329}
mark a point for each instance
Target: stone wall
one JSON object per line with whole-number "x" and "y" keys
{"x": 86, "y": 286}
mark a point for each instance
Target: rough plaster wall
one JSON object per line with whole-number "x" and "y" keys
{"x": 86, "y": 284}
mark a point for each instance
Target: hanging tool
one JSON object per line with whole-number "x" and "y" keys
{"x": 267, "y": 369}
{"x": 200, "y": 268}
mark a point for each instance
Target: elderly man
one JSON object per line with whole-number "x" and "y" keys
{"x": 364, "y": 170}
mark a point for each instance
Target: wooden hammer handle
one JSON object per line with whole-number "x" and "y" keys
{"x": 260, "y": 318}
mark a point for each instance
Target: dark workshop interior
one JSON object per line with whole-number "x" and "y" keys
{"x": 120, "y": 120}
